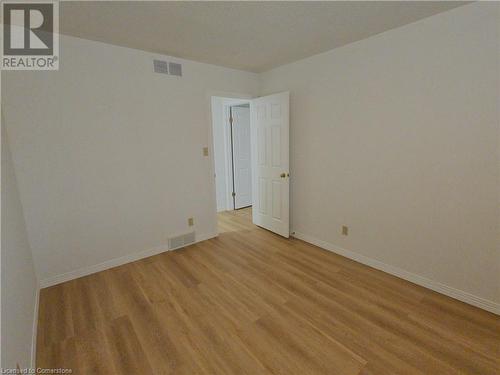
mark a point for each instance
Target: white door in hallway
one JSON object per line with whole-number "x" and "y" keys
{"x": 270, "y": 162}
{"x": 241, "y": 156}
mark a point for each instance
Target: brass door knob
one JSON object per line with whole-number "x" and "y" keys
{"x": 283, "y": 175}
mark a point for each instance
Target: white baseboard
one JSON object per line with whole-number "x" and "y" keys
{"x": 396, "y": 271}
{"x": 35, "y": 328}
{"x": 112, "y": 263}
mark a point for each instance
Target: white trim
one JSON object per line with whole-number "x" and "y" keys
{"x": 35, "y": 327}
{"x": 84, "y": 271}
{"x": 227, "y": 157}
{"x": 460, "y": 295}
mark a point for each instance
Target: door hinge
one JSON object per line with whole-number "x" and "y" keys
{"x": 233, "y": 194}
{"x": 231, "y": 120}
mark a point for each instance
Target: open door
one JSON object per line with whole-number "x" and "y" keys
{"x": 242, "y": 175}
{"x": 270, "y": 162}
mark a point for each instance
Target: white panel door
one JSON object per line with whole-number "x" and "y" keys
{"x": 241, "y": 157}
{"x": 270, "y": 162}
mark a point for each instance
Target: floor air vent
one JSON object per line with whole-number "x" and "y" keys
{"x": 181, "y": 241}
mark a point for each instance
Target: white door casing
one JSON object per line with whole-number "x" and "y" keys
{"x": 270, "y": 162}
{"x": 241, "y": 157}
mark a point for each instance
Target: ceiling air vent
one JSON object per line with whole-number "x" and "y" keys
{"x": 175, "y": 69}
{"x": 160, "y": 66}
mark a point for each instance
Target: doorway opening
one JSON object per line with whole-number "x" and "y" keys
{"x": 233, "y": 166}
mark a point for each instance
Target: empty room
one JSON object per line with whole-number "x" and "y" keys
{"x": 275, "y": 187}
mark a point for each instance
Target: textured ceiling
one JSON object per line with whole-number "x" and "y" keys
{"x": 253, "y": 36}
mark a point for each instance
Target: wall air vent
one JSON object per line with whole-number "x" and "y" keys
{"x": 160, "y": 66}
{"x": 181, "y": 241}
{"x": 175, "y": 69}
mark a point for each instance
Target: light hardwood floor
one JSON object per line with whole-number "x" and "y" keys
{"x": 251, "y": 302}
{"x": 234, "y": 221}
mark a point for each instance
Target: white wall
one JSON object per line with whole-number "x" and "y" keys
{"x": 108, "y": 154}
{"x": 397, "y": 136}
{"x": 19, "y": 284}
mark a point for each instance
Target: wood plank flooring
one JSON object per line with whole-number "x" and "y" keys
{"x": 233, "y": 221}
{"x": 251, "y": 302}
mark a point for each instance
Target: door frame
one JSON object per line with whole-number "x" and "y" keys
{"x": 230, "y": 155}
{"x": 210, "y": 145}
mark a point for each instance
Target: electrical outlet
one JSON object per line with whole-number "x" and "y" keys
{"x": 345, "y": 230}
{"x": 190, "y": 221}
{"x": 205, "y": 151}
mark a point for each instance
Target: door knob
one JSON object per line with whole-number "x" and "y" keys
{"x": 283, "y": 175}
